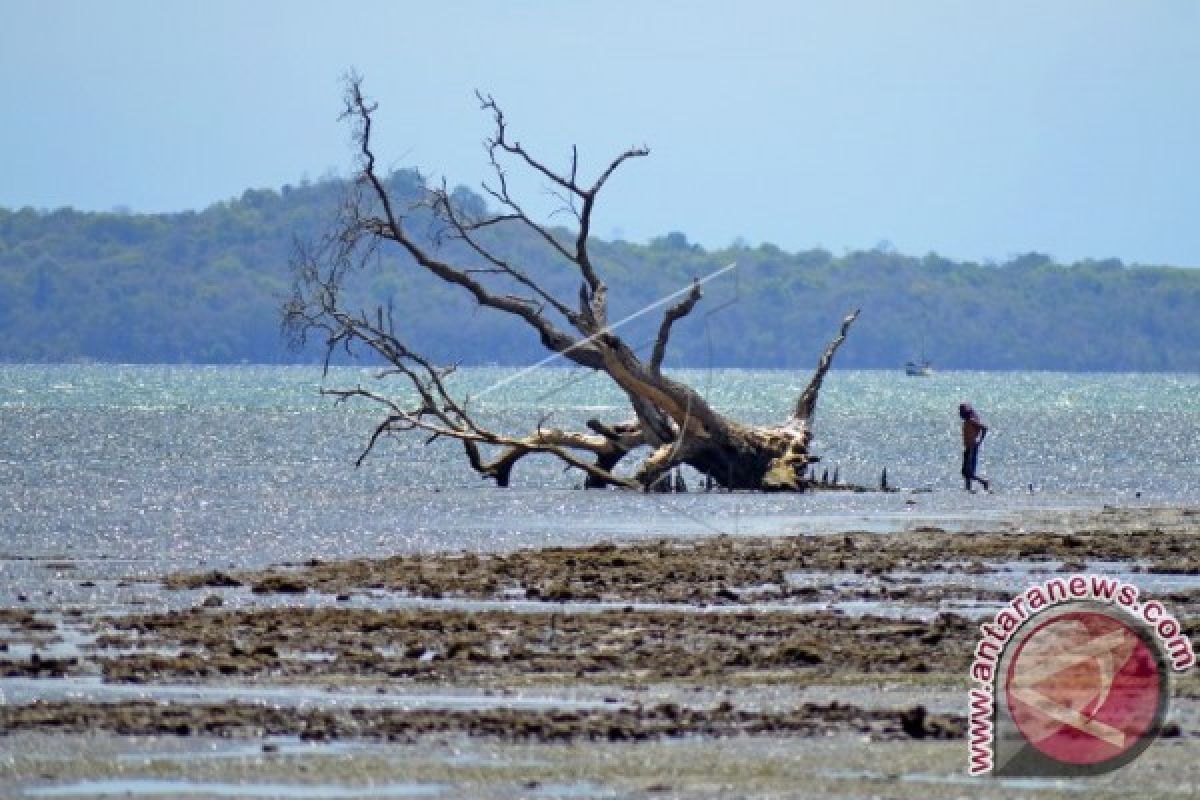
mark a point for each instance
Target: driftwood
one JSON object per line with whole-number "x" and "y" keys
{"x": 671, "y": 423}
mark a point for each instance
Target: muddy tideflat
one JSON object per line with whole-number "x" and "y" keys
{"x": 731, "y": 660}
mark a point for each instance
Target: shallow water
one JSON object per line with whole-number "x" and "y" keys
{"x": 146, "y": 787}
{"x": 1026, "y": 784}
{"x": 190, "y": 467}
{"x": 109, "y": 474}
{"x": 19, "y": 691}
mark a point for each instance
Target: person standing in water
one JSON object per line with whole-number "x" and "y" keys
{"x": 973, "y": 431}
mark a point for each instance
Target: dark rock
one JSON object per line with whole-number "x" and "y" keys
{"x": 280, "y": 584}
{"x": 215, "y": 580}
{"x": 912, "y": 722}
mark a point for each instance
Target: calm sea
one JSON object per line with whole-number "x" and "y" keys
{"x": 200, "y": 466}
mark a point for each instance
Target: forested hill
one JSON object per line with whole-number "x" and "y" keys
{"x": 206, "y": 287}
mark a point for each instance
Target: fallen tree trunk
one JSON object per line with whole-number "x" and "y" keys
{"x": 671, "y": 421}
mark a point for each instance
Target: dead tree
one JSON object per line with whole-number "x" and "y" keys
{"x": 670, "y": 422}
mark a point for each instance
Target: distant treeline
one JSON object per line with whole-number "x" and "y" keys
{"x": 207, "y": 287}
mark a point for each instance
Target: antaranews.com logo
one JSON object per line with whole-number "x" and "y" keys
{"x": 1072, "y": 677}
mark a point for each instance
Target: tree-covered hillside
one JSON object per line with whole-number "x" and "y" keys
{"x": 207, "y": 287}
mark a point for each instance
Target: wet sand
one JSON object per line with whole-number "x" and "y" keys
{"x": 736, "y": 659}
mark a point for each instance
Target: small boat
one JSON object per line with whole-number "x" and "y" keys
{"x": 920, "y": 368}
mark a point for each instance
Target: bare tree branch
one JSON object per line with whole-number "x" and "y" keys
{"x": 670, "y": 316}
{"x": 390, "y": 227}
{"x": 670, "y": 418}
{"x": 570, "y": 186}
{"x": 465, "y": 233}
{"x": 807, "y": 402}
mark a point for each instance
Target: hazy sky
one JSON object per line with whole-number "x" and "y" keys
{"x": 974, "y": 129}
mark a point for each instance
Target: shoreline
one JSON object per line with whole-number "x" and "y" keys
{"x": 699, "y": 643}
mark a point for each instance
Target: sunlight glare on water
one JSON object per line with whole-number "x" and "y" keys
{"x": 195, "y": 466}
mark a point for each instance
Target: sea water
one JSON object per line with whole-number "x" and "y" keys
{"x": 197, "y": 467}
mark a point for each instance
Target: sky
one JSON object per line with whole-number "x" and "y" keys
{"x": 977, "y": 130}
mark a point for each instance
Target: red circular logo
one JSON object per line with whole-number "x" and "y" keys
{"x": 1084, "y": 688}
